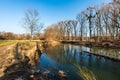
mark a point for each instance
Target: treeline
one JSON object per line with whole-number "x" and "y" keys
{"x": 96, "y": 23}
{"x": 12, "y": 36}
{"x": 32, "y": 25}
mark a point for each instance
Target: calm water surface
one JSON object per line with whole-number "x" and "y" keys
{"x": 78, "y": 64}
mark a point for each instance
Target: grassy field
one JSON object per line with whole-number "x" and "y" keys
{"x": 8, "y": 42}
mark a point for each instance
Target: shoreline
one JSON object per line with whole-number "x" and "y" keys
{"x": 22, "y": 62}
{"x": 107, "y": 45}
{"x": 104, "y": 44}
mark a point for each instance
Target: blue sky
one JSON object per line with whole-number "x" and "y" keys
{"x": 51, "y": 11}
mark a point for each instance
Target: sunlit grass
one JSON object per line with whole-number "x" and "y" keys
{"x": 85, "y": 73}
{"x": 8, "y": 42}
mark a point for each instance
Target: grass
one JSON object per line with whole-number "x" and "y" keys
{"x": 8, "y": 42}
{"x": 85, "y": 73}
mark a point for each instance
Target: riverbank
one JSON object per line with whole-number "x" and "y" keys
{"x": 101, "y": 55}
{"x": 18, "y": 61}
{"x": 66, "y": 56}
{"x": 14, "y": 58}
{"x": 105, "y": 44}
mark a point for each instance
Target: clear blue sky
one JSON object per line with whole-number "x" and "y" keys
{"x": 51, "y": 11}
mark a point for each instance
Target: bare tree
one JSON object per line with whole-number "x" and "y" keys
{"x": 68, "y": 29}
{"x": 61, "y": 28}
{"x": 89, "y": 16}
{"x": 31, "y": 21}
{"x": 74, "y": 24}
{"x": 98, "y": 24}
{"x": 81, "y": 18}
{"x": 39, "y": 29}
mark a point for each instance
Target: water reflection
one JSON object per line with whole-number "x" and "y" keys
{"x": 65, "y": 56}
{"x": 108, "y": 52}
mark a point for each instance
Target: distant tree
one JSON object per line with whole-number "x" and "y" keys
{"x": 98, "y": 32}
{"x": 21, "y": 37}
{"x": 31, "y": 21}
{"x": 74, "y": 24}
{"x": 8, "y": 35}
{"x": 51, "y": 32}
{"x": 61, "y": 29}
{"x": 39, "y": 29}
{"x": 81, "y": 18}
{"x": 28, "y": 37}
{"x": 70, "y": 26}
{"x": 90, "y": 16}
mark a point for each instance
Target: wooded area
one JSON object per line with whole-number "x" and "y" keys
{"x": 93, "y": 24}
{"x": 96, "y": 24}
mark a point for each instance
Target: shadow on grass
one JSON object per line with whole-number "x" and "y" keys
{"x": 21, "y": 69}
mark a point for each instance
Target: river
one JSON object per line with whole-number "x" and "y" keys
{"x": 78, "y": 65}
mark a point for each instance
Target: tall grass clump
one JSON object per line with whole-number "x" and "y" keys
{"x": 85, "y": 73}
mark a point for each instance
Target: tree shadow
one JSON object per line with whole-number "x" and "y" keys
{"x": 37, "y": 54}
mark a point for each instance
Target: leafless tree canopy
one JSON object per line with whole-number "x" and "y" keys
{"x": 96, "y": 23}
{"x": 32, "y": 22}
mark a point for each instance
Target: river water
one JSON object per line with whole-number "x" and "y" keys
{"x": 81, "y": 66}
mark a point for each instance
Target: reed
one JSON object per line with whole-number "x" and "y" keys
{"x": 85, "y": 73}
